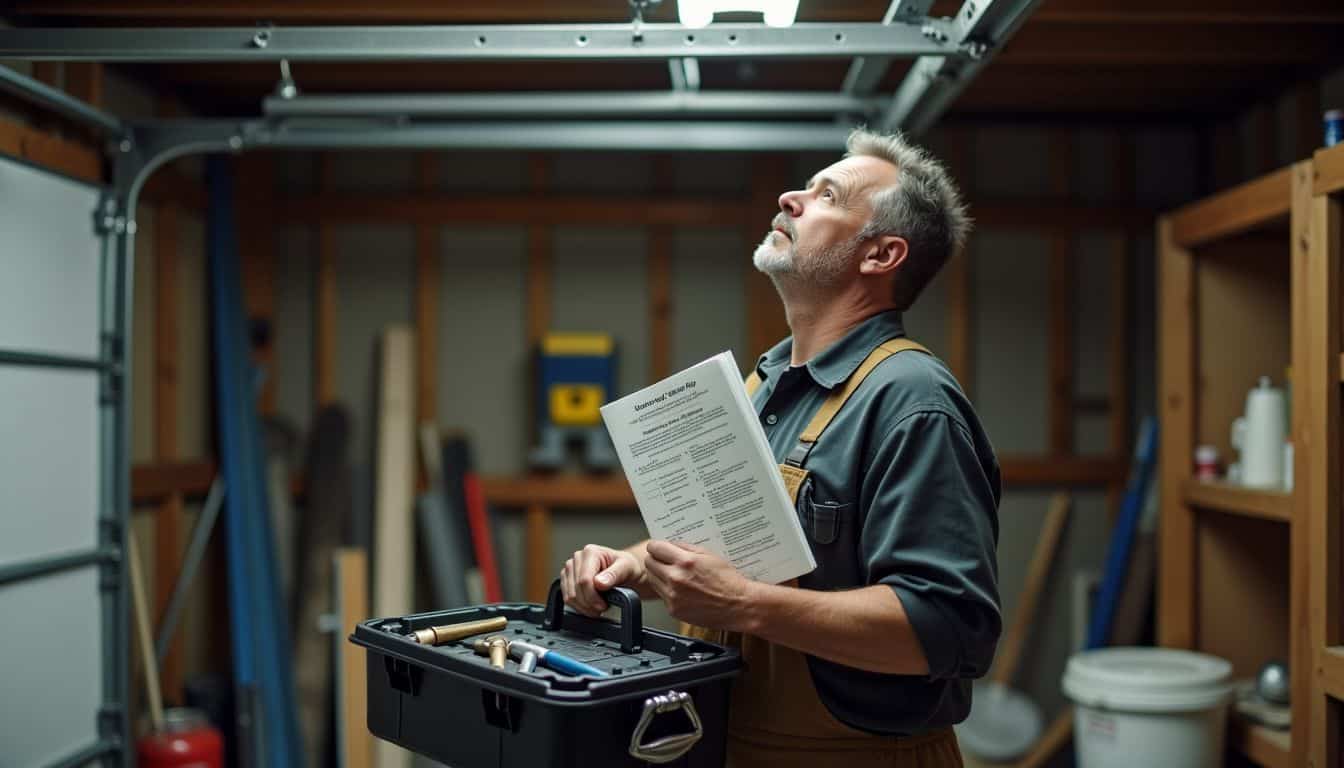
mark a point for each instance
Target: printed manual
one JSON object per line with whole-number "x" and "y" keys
{"x": 703, "y": 474}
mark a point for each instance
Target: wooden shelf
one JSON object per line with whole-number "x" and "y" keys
{"x": 609, "y": 492}
{"x": 1239, "y": 500}
{"x": 1331, "y": 670}
{"x": 1264, "y": 746}
{"x": 1235, "y": 210}
{"x": 1329, "y": 176}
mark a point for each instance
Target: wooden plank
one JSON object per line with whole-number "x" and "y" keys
{"x": 1310, "y": 355}
{"x": 1329, "y": 170}
{"x": 84, "y": 81}
{"x": 253, "y": 194}
{"x": 1176, "y": 393}
{"x": 1123, "y": 185}
{"x": 960, "y": 299}
{"x": 1264, "y": 746}
{"x": 168, "y": 524}
{"x": 1057, "y": 735}
{"x": 538, "y": 262}
{"x": 150, "y": 483}
{"x": 765, "y": 322}
{"x": 1099, "y": 12}
{"x": 356, "y": 743}
{"x": 569, "y": 208}
{"x": 169, "y": 184}
{"x": 50, "y": 151}
{"x": 324, "y": 343}
{"x": 394, "y": 545}
{"x": 1239, "y": 500}
{"x": 1062, "y": 282}
{"x": 539, "y": 573}
{"x": 1042, "y": 557}
{"x": 1061, "y": 470}
{"x": 47, "y": 72}
{"x": 1238, "y": 209}
{"x": 1318, "y": 227}
{"x": 660, "y": 279}
{"x": 516, "y": 209}
{"x": 1330, "y": 669}
{"x": 427, "y": 287}
{"x": 558, "y": 491}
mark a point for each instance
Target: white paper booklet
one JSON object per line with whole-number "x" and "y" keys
{"x": 702, "y": 471}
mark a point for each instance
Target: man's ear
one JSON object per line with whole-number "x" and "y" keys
{"x": 885, "y": 253}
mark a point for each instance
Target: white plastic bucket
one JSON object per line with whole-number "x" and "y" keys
{"x": 1149, "y": 707}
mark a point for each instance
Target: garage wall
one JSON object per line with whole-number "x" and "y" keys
{"x": 600, "y": 284}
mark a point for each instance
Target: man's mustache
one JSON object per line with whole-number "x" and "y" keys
{"x": 782, "y": 222}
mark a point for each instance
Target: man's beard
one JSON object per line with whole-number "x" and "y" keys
{"x": 824, "y": 267}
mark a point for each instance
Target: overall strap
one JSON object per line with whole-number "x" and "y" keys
{"x": 838, "y": 396}
{"x": 753, "y": 383}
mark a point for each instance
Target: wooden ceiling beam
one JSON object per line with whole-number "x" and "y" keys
{"x": 1056, "y": 43}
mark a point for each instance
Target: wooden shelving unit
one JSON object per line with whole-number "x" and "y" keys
{"x": 1266, "y": 746}
{"x": 1249, "y": 287}
{"x": 1318, "y": 502}
{"x": 1239, "y": 500}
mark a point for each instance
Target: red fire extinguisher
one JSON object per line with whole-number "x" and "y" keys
{"x": 187, "y": 741}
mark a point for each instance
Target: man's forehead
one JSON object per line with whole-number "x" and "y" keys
{"x": 859, "y": 172}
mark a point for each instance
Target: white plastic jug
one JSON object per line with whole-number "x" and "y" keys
{"x": 1259, "y": 436}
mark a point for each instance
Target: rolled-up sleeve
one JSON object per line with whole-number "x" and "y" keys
{"x": 930, "y": 532}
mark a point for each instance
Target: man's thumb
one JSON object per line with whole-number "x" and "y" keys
{"x": 612, "y": 576}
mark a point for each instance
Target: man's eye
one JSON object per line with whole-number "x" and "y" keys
{"x": 828, "y": 194}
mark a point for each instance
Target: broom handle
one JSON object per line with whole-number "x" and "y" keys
{"x": 1010, "y": 650}
{"x": 142, "y": 632}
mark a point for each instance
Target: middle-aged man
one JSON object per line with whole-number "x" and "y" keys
{"x": 867, "y": 660}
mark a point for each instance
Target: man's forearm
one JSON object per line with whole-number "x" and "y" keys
{"x": 865, "y": 628}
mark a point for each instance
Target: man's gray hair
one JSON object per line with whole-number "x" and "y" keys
{"x": 924, "y": 207}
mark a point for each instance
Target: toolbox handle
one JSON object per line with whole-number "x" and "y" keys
{"x": 632, "y": 614}
{"x": 668, "y": 748}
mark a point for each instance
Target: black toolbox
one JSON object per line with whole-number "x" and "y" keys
{"x": 664, "y": 699}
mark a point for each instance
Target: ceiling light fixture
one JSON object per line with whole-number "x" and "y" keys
{"x": 699, "y": 13}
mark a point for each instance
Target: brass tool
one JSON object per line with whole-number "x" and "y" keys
{"x": 494, "y": 646}
{"x": 448, "y": 632}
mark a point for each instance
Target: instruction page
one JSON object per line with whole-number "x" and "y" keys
{"x": 703, "y": 474}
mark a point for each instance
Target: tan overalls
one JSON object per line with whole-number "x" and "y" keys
{"x": 776, "y": 718}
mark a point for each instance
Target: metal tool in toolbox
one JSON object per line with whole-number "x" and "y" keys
{"x": 573, "y": 690}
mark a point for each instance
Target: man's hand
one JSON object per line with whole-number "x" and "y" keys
{"x": 596, "y": 567}
{"x": 697, "y": 586}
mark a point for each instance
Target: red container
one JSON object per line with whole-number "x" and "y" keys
{"x": 187, "y": 741}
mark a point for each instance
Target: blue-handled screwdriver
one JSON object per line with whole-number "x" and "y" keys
{"x": 556, "y": 661}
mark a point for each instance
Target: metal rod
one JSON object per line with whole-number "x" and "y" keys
{"x": 980, "y": 28}
{"x": 912, "y": 37}
{"x": 645, "y": 136}
{"x": 684, "y": 101}
{"x": 40, "y": 359}
{"x": 58, "y": 101}
{"x": 200, "y": 537}
{"x": 86, "y": 755}
{"x": 45, "y": 566}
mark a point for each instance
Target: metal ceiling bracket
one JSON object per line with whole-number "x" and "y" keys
{"x": 901, "y": 39}
{"x": 978, "y": 31}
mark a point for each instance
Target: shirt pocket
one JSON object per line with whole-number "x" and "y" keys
{"x": 830, "y": 528}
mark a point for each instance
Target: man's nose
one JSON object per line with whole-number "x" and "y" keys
{"x": 791, "y": 203}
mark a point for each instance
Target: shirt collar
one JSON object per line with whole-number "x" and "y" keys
{"x": 836, "y": 363}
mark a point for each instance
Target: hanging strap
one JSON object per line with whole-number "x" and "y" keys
{"x": 753, "y": 383}
{"x": 836, "y": 400}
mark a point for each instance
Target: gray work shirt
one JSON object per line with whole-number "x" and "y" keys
{"x": 904, "y": 491}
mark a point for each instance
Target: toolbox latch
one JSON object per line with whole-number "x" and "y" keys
{"x": 668, "y": 748}
{"x": 403, "y": 675}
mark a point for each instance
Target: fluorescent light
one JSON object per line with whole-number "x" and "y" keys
{"x": 699, "y": 13}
